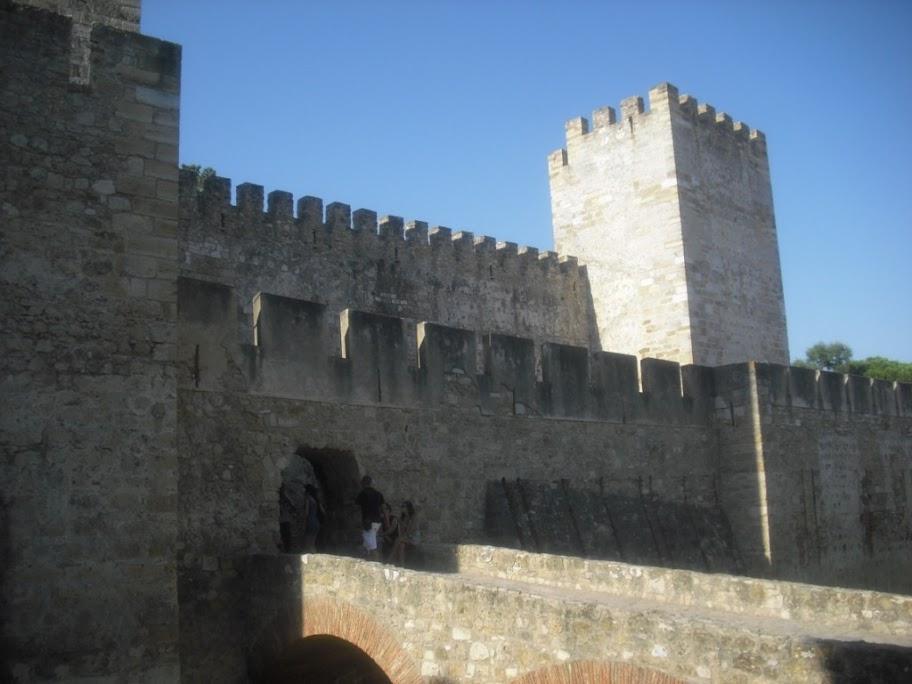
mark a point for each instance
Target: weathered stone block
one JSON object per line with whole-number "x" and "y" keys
{"x": 803, "y": 387}
{"x": 510, "y": 363}
{"x": 565, "y": 374}
{"x": 376, "y": 347}
{"x": 444, "y": 351}
{"x": 858, "y": 390}
{"x": 292, "y": 340}
{"x": 616, "y": 385}
{"x": 661, "y": 379}
{"x": 832, "y": 388}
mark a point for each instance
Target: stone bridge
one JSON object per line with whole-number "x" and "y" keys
{"x": 488, "y": 614}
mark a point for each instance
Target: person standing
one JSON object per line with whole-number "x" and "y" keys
{"x": 371, "y": 503}
{"x": 409, "y": 535}
{"x": 388, "y": 533}
{"x": 312, "y": 515}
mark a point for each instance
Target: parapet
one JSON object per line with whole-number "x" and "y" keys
{"x": 792, "y": 387}
{"x": 294, "y": 355}
{"x": 334, "y": 226}
{"x": 607, "y": 128}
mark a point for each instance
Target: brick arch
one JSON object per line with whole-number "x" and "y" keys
{"x": 344, "y": 621}
{"x": 596, "y": 672}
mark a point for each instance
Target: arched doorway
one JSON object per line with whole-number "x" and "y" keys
{"x": 325, "y": 659}
{"x": 338, "y": 481}
{"x": 334, "y": 475}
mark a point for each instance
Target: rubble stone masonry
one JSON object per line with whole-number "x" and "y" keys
{"x": 88, "y": 209}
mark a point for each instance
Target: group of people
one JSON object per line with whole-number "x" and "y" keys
{"x": 384, "y": 535}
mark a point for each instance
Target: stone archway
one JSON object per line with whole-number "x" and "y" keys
{"x": 596, "y": 672}
{"x": 331, "y": 632}
{"x": 324, "y": 659}
{"x": 343, "y": 621}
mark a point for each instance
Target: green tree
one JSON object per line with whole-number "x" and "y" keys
{"x": 882, "y": 369}
{"x": 834, "y": 356}
{"x": 202, "y": 173}
{"x": 837, "y": 356}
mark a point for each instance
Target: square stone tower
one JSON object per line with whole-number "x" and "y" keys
{"x": 671, "y": 210}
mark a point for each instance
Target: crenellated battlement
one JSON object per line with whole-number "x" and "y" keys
{"x": 305, "y": 248}
{"x": 706, "y": 115}
{"x": 607, "y": 128}
{"x": 390, "y": 360}
{"x": 337, "y": 223}
{"x": 793, "y": 387}
{"x": 294, "y": 355}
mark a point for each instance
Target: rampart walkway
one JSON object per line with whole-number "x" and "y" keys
{"x": 497, "y": 615}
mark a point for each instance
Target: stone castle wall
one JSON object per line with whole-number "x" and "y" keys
{"x": 307, "y": 350}
{"x": 671, "y": 212}
{"x": 88, "y": 424}
{"x": 234, "y": 447}
{"x": 353, "y": 259}
{"x": 438, "y": 433}
{"x": 817, "y": 474}
{"x": 447, "y": 435}
{"x": 759, "y": 427}
{"x": 166, "y": 354}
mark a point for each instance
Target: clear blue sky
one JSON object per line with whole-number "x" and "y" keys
{"x": 446, "y": 111}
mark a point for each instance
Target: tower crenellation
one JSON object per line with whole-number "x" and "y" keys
{"x": 663, "y": 97}
{"x": 670, "y": 208}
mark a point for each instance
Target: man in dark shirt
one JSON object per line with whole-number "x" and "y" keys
{"x": 371, "y": 503}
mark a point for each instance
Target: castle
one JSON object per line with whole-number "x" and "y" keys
{"x": 167, "y": 354}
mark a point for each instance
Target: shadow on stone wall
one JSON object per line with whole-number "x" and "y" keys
{"x": 274, "y": 612}
{"x": 563, "y": 518}
{"x": 322, "y": 659}
{"x": 859, "y": 661}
